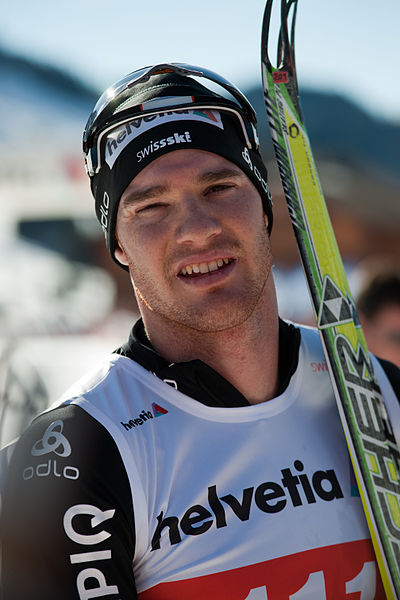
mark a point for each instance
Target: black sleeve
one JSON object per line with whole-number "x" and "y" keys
{"x": 393, "y": 374}
{"x": 67, "y": 516}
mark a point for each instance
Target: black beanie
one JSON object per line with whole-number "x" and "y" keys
{"x": 134, "y": 143}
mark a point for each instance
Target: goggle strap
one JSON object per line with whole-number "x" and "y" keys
{"x": 176, "y": 108}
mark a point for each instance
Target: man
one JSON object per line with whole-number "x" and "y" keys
{"x": 378, "y": 304}
{"x": 205, "y": 458}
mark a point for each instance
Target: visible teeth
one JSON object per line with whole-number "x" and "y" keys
{"x": 204, "y": 267}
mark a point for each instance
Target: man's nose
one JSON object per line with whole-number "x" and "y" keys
{"x": 198, "y": 223}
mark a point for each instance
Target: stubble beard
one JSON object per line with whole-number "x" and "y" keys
{"x": 216, "y": 315}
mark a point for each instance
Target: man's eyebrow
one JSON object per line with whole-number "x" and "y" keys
{"x": 216, "y": 175}
{"x": 155, "y": 191}
{"x": 151, "y": 192}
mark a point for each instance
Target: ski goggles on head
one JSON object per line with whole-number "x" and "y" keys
{"x": 110, "y": 112}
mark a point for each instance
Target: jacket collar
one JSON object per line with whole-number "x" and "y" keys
{"x": 197, "y": 379}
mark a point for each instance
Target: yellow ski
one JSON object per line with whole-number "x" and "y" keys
{"x": 369, "y": 434}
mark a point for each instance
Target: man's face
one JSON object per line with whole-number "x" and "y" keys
{"x": 192, "y": 230}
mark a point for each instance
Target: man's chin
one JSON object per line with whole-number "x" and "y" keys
{"x": 211, "y": 320}
{"x": 217, "y": 311}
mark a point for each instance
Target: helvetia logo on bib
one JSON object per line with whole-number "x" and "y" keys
{"x": 220, "y": 509}
{"x": 144, "y": 416}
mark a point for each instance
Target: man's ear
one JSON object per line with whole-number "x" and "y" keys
{"x": 266, "y": 220}
{"x": 120, "y": 253}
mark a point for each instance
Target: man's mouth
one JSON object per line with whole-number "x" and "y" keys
{"x": 202, "y": 268}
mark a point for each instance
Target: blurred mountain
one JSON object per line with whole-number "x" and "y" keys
{"x": 47, "y": 77}
{"x": 34, "y": 95}
{"x": 39, "y": 103}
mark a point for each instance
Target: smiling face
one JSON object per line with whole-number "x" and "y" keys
{"x": 192, "y": 230}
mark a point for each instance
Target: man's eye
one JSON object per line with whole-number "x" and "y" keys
{"x": 220, "y": 187}
{"x": 150, "y": 207}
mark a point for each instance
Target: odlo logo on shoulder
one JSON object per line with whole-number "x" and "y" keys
{"x": 269, "y": 497}
{"x": 52, "y": 442}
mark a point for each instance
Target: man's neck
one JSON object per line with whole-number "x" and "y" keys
{"x": 246, "y": 355}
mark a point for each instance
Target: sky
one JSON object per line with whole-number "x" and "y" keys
{"x": 351, "y": 47}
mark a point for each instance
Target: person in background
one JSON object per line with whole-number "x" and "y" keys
{"x": 205, "y": 458}
{"x": 378, "y": 304}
